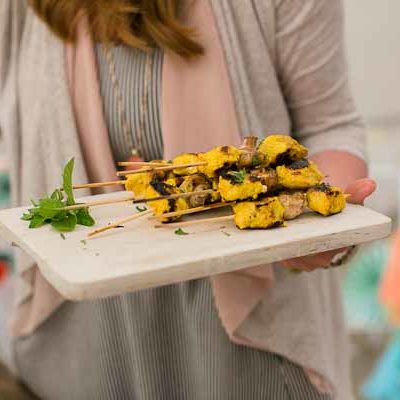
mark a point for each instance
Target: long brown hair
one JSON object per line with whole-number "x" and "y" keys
{"x": 136, "y": 23}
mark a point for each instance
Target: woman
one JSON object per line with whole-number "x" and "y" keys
{"x": 217, "y": 70}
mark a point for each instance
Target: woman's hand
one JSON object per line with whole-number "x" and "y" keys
{"x": 359, "y": 190}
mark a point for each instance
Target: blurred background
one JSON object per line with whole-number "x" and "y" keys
{"x": 372, "y": 31}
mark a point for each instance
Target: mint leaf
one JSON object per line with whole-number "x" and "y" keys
{"x": 27, "y": 216}
{"x": 67, "y": 182}
{"x": 237, "y": 176}
{"x": 84, "y": 218}
{"x": 141, "y": 209}
{"x": 49, "y": 208}
{"x": 57, "y": 195}
{"x": 37, "y": 221}
{"x": 66, "y": 224}
{"x": 255, "y": 161}
{"x": 180, "y": 231}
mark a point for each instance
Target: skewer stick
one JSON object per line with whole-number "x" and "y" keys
{"x": 164, "y": 168}
{"x": 98, "y": 184}
{"x": 133, "y": 200}
{"x": 141, "y": 163}
{"x": 191, "y": 210}
{"x": 196, "y": 221}
{"x": 118, "y": 223}
{"x": 97, "y": 203}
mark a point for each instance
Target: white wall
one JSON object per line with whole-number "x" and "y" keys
{"x": 373, "y": 39}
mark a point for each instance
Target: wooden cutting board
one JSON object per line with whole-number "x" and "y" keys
{"x": 140, "y": 256}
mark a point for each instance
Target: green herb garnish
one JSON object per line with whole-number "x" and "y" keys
{"x": 48, "y": 210}
{"x": 181, "y": 232}
{"x": 237, "y": 176}
{"x": 141, "y": 209}
{"x": 67, "y": 182}
{"x": 255, "y": 161}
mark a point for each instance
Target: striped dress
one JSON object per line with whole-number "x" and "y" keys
{"x": 156, "y": 344}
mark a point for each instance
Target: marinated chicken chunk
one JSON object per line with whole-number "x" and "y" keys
{"x": 251, "y": 215}
{"x": 186, "y": 158}
{"x": 239, "y": 185}
{"x": 301, "y": 174}
{"x": 281, "y": 149}
{"x": 326, "y": 200}
{"x": 218, "y": 158}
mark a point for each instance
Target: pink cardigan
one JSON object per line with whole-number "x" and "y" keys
{"x": 187, "y": 88}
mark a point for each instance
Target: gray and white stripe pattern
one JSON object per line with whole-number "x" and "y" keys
{"x": 157, "y": 344}
{"x": 130, "y": 74}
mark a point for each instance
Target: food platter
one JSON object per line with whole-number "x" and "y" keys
{"x": 142, "y": 256}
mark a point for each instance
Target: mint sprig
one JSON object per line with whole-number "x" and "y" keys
{"x": 48, "y": 210}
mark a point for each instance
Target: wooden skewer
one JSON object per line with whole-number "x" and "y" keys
{"x": 97, "y": 203}
{"x": 141, "y": 163}
{"x": 133, "y": 200}
{"x": 163, "y": 168}
{"x": 118, "y": 223}
{"x": 196, "y": 221}
{"x": 99, "y": 184}
{"x": 191, "y": 210}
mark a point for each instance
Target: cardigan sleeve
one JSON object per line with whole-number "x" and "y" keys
{"x": 12, "y": 18}
{"x": 313, "y": 74}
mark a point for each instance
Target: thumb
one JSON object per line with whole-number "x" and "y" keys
{"x": 359, "y": 190}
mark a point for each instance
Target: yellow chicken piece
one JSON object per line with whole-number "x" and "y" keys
{"x": 248, "y": 188}
{"x": 215, "y": 195}
{"x": 138, "y": 183}
{"x": 278, "y": 149}
{"x": 159, "y": 206}
{"x": 163, "y": 206}
{"x": 249, "y": 215}
{"x": 301, "y": 174}
{"x": 186, "y": 158}
{"x": 326, "y": 200}
{"x": 217, "y": 158}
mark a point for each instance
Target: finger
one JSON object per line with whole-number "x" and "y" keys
{"x": 312, "y": 262}
{"x": 360, "y": 190}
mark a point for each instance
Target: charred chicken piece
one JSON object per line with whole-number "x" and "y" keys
{"x": 326, "y": 200}
{"x": 163, "y": 206}
{"x": 301, "y": 174}
{"x": 218, "y": 158}
{"x": 293, "y": 202}
{"x": 239, "y": 185}
{"x": 281, "y": 149}
{"x": 252, "y": 215}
